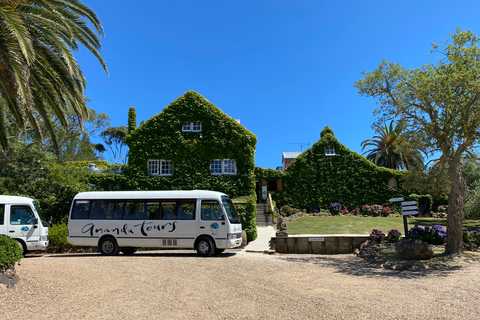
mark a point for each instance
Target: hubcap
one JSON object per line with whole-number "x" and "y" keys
{"x": 107, "y": 247}
{"x": 203, "y": 247}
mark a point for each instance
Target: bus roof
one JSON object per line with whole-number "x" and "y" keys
{"x": 151, "y": 194}
{"x": 15, "y": 199}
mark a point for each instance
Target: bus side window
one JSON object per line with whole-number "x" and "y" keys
{"x": 169, "y": 210}
{"x": 135, "y": 210}
{"x": 211, "y": 210}
{"x": 153, "y": 210}
{"x": 2, "y": 213}
{"x": 186, "y": 210}
{"x": 81, "y": 209}
{"x": 99, "y": 209}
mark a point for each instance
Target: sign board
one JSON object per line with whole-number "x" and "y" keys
{"x": 316, "y": 239}
{"x": 409, "y": 203}
{"x": 409, "y": 208}
{"x": 264, "y": 192}
{"x": 396, "y": 199}
{"x": 409, "y": 213}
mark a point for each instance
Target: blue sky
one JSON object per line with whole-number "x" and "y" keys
{"x": 284, "y": 68}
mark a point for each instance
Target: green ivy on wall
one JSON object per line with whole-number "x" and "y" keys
{"x": 161, "y": 138}
{"x": 316, "y": 179}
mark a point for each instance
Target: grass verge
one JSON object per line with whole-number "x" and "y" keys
{"x": 364, "y": 225}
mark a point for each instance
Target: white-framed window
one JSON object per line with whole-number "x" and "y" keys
{"x": 160, "y": 167}
{"x": 225, "y": 166}
{"x": 192, "y": 126}
{"x": 153, "y": 166}
{"x": 197, "y": 126}
{"x": 329, "y": 151}
{"x": 229, "y": 166}
{"x": 166, "y": 168}
{"x": 187, "y": 126}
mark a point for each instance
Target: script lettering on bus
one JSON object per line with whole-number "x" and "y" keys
{"x": 158, "y": 227}
{"x": 144, "y": 228}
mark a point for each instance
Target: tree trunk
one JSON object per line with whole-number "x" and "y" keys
{"x": 458, "y": 195}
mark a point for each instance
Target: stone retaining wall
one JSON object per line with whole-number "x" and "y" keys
{"x": 322, "y": 244}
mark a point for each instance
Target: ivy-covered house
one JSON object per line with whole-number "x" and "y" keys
{"x": 329, "y": 172}
{"x": 192, "y": 144}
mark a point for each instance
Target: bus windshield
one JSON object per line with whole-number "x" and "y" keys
{"x": 40, "y": 215}
{"x": 230, "y": 209}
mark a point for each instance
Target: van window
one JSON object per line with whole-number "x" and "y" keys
{"x": 21, "y": 215}
{"x": 211, "y": 210}
{"x": 2, "y": 213}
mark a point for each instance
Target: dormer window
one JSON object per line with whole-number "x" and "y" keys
{"x": 329, "y": 151}
{"x": 192, "y": 126}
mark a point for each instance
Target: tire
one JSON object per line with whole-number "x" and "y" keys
{"x": 128, "y": 250}
{"x": 23, "y": 247}
{"x": 108, "y": 246}
{"x": 218, "y": 251}
{"x": 205, "y": 247}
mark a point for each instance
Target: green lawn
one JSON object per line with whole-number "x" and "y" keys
{"x": 363, "y": 225}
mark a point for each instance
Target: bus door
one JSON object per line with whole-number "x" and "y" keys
{"x": 3, "y": 225}
{"x": 212, "y": 222}
{"x": 23, "y": 224}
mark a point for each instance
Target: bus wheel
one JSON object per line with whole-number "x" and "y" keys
{"x": 205, "y": 247}
{"x": 23, "y": 247}
{"x": 218, "y": 251}
{"x": 128, "y": 250}
{"x": 108, "y": 246}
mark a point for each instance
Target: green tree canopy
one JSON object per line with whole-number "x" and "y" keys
{"x": 390, "y": 149}
{"x": 440, "y": 102}
{"x": 114, "y": 138}
{"x": 39, "y": 75}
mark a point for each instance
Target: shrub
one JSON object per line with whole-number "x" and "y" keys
{"x": 248, "y": 215}
{"x": 377, "y": 235}
{"x": 393, "y": 236}
{"x": 10, "y": 252}
{"x": 335, "y": 208}
{"x": 471, "y": 240}
{"x": 287, "y": 211}
{"x": 442, "y": 208}
{"x": 57, "y": 237}
{"x": 376, "y": 210}
{"x": 434, "y": 235}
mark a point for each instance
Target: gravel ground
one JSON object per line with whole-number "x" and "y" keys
{"x": 234, "y": 285}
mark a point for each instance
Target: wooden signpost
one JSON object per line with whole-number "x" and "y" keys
{"x": 408, "y": 208}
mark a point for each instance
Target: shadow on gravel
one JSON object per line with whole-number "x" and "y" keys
{"x": 143, "y": 254}
{"x": 354, "y": 266}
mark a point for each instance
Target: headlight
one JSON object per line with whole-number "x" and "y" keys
{"x": 233, "y": 236}
{"x": 43, "y": 238}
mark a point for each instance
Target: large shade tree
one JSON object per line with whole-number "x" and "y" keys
{"x": 441, "y": 102}
{"x": 39, "y": 76}
{"x": 390, "y": 148}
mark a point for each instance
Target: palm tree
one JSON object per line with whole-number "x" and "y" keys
{"x": 39, "y": 76}
{"x": 390, "y": 148}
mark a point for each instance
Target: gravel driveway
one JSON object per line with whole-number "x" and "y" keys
{"x": 234, "y": 285}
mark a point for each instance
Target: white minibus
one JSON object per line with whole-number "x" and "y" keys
{"x": 21, "y": 220}
{"x": 115, "y": 221}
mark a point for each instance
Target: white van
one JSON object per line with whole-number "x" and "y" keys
{"x": 126, "y": 220}
{"x": 20, "y": 220}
